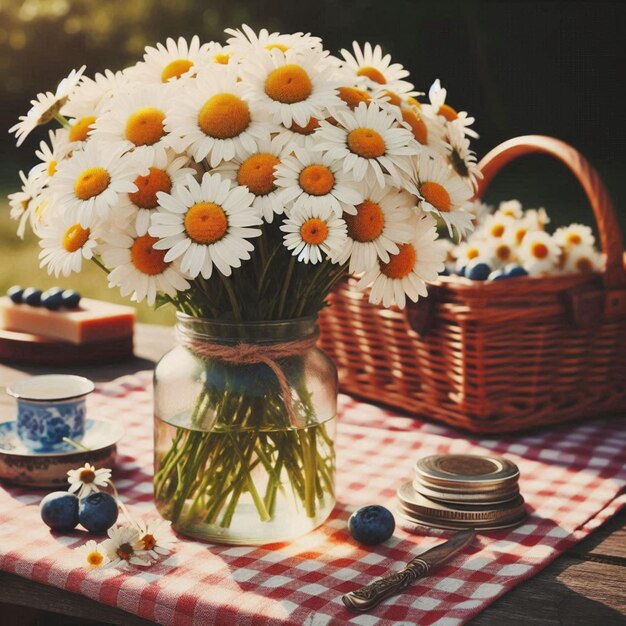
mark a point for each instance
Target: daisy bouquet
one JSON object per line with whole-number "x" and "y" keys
{"x": 240, "y": 182}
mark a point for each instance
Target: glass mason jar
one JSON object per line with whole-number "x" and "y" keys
{"x": 244, "y": 431}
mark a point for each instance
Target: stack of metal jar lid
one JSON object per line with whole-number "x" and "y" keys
{"x": 455, "y": 491}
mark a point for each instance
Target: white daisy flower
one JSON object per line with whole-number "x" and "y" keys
{"x": 500, "y": 227}
{"x": 65, "y": 243}
{"x": 440, "y": 191}
{"x": 367, "y": 141}
{"x": 314, "y": 234}
{"x": 510, "y": 208}
{"x": 353, "y": 96}
{"x": 155, "y": 538}
{"x": 315, "y": 180}
{"x": 376, "y": 69}
{"x": 290, "y": 86}
{"x": 480, "y": 211}
{"x": 211, "y": 119}
{"x": 574, "y": 236}
{"x": 257, "y": 172}
{"x": 135, "y": 121}
{"x": 166, "y": 171}
{"x": 459, "y": 155}
{"x": 294, "y": 136}
{"x": 93, "y": 95}
{"x": 93, "y": 555}
{"x": 88, "y": 185}
{"x": 87, "y": 479}
{"x": 437, "y": 96}
{"x": 207, "y": 224}
{"x": 46, "y": 106}
{"x": 539, "y": 253}
{"x": 583, "y": 259}
{"x": 406, "y": 273}
{"x": 427, "y": 131}
{"x": 537, "y": 219}
{"x": 51, "y": 155}
{"x": 138, "y": 268}
{"x": 474, "y": 250}
{"x": 246, "y": 42}
{"x": 175, "y": 59}
{"x": 23, "y": 204}
{"x": 123, "y": 547}
{"x": 381, "y": 222}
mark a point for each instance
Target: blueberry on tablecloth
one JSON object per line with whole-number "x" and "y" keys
{"x": 97, "y": 512}
{"x": 372, "y": 524}
{"x": 52, "y": 298}
{"x": 70, "y": 299}
{"x": 32, "y": 296}
{"x": 59, "y": 510}
{"x": 15, "y": 293}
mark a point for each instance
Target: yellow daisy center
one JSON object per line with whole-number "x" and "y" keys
{"x": 95, "y": 558}
{"x": 472, "y": 253}
{"x": 87, "y": 476}
{"x": 148, "y": 186}
{"x": 503, "y": 252}
{"x": 277, "y": 46}
{"x": 305, "y": 130}
{"x": 148, "y": 541}
{"x": 176, "y": 69}
{"x": 145, "y": 258}
{"x": 206, "y": 223}
{"x": 448, "y": 112}
{"x": 224, "y": 116}
{"x": 145, "y": 126}
{"x": 584, "y": 265}
{"x": 437, "y": 195}
{"x": 288, "y": 84}
{"x": 79, "y": 131}
{"x": 573, "y": 238}
{"x": 414, "y": 102}
{"x": 520, "y": 233}
{"x": 417, "y": 124}
{"x": 317, "y": 180}
{"x": 222, "y": 58}
{"x": 125, "y": 551}
{"x": 314, "y": 231}
{"x": 366, "y": 142}
{"x": 373, "y": 74}
{"x": 393, "y": 98}
{"x": 367, "y": 224}
{"x": 539, "y": 250}
{"x": 353, "y": 97}
{"x": 401, "y": 264}
{"x": 257, "y": 173}
{"x": 92, "y": 182}
{"x": 52, "y": 168}
{"x": 497, "y": 230}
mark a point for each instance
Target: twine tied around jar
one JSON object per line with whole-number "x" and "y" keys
{"x": 244, "y": 353}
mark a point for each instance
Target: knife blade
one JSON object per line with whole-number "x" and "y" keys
{"x": 369, "y": 596}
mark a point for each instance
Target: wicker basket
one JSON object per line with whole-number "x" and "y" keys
{"x": 496, "y": 356}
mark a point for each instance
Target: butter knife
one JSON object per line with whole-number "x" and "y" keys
{"x": 371, "y": 595}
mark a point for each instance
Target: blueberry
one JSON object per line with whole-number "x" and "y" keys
{"x": 70, "y": 299}
{"x": 59, "y": 510}
{"x": 32, "y": 296}
{"x": 372, "y": 524}
{"x": 497, "y": 275}
{"x": 52, "y": 298}
{"x": 477, "y": 270}
{"x": 515, "y": 270}
{"x": 15, "y": 293}
{"x": 97, "y": 512}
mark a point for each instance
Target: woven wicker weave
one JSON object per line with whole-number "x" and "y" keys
{"x": 495, "y": 356}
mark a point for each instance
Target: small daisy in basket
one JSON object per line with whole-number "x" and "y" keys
{"x": 475, "y": 250}
{"x": 582, "y": 259}
{"x": 574, "y": 236}
{"x": 539, "y": 253}
{"x": 93, "y": 555}
{"x": 88, "y": 479}
{"x": 208, "y": 224}
{"x": 46, "y": 106}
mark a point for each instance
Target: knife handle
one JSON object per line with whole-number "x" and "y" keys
{"x": 371, "y": 595}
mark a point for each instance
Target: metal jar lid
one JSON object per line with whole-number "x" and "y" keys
{"x": 468, "y": 497}
{"x": 472, "y": 473}
{"x": 420, "y": 509}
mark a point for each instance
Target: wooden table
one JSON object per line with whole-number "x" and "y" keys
{"x": 585, "y": 586}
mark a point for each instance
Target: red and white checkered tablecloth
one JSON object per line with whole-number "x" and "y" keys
{"x": 571, "y": 477}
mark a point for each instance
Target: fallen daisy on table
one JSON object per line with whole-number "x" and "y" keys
{"x": 93, "y": 555}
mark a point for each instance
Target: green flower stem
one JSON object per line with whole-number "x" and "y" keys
{"x": 61, "y": 119}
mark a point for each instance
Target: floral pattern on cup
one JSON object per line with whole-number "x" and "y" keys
{"x": 43, "y": 427}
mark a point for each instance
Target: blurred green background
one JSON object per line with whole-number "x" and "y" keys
{"x": 553, "y": 68}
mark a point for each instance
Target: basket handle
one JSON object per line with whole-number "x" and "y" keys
{"x": 598, "y": 196}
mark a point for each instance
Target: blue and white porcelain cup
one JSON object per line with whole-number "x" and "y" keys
{"x": 50, "y": 409}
